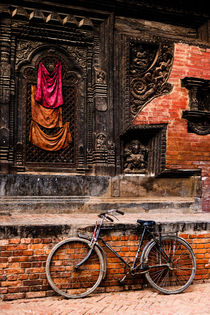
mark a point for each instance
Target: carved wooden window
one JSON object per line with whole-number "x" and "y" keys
{"x": 35, "y": 156}
{"x": 198, "y": 116}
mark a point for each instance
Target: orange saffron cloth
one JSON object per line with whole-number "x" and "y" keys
{"x": 58, "y": 141}
{"x": 48, "y": 118}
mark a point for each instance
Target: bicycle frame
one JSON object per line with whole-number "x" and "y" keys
{"x": 122, "y": 259}
{"x": 134, "y": 267}
{"x": 96, "y": 237}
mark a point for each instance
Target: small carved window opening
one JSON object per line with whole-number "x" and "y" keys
{"x": 143, "y": 149}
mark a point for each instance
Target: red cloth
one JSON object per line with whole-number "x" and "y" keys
{"x": 49, "y": 86}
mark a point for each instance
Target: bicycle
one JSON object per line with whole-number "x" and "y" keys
{"x": 76, "y": 266}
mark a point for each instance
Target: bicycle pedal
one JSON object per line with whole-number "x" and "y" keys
{"x": 122, "y": 280}
{"x": 143, "y": 269}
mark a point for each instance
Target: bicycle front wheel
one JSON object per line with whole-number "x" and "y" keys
{"x": 62, "y": 272}
{"x": 171, "y": 266}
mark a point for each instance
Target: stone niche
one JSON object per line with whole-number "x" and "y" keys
{"x": 143, "y": 149}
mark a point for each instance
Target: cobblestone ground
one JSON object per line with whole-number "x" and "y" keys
{"x": 195, "y": 300}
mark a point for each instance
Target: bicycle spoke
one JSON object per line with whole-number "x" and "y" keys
{"x": 158, "y": 275}
{"x": 180, "y": 265}
{"x": 68, "y": 280}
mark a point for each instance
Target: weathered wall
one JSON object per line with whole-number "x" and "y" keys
{"x": 66, "y": 194}
{"x": 184, "y": 150}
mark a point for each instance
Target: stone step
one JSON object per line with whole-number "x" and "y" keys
{"x": 40, "y": 224}
{"x": 90, "y": 204}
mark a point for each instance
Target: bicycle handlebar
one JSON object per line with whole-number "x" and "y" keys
{"x": 110, "y": 219}
{"x": 108, "y": 213}
{"x": 120, "y": 212}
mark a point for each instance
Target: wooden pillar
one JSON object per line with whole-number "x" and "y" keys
{"x": 5, "y": 87}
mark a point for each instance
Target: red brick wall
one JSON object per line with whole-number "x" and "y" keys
{"x": 184, "y": 150}
{"x": 22, "y": 264}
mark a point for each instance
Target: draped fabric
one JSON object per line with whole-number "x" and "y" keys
{"x": 46, "y": 117}
{"x": 46, "y": 111}
{"x": 49, "y": 86}
{"x": 58, "y": 141}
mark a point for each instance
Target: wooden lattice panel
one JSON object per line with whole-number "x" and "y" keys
{"x": 34, "y": 154}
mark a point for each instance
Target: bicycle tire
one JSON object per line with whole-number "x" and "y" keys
{"x": 61, "y": 273}
{"x": 180, "y": 270}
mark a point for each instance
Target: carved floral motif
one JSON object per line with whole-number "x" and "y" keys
{"x": 24, "y": 49}
{"x": 79, "y": 54}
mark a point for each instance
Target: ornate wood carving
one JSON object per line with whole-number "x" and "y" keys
{"x": 150, "y": 66}
{"x": 75, "y": 40}
{"x": 101, "y": 141}
{"x": 198, "y": 122}
{"x": 5, "y": 97}
{"x": 198, "y": 116}
{"x": 145, "y": 63}
{"x": 100, "y": 90}
{"x": 24, "y": 49}
{"x": 76, "y": 62}
{"x": 70, "y": 80}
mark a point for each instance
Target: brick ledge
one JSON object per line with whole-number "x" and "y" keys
{"x": 44, "y": 225}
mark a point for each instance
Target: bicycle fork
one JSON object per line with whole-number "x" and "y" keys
{"x": 92, "y": 244}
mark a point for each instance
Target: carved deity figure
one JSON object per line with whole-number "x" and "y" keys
{"x": 135, "y": 155}
{"x": 101, "y": 141}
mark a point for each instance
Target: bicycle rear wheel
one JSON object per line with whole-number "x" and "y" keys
{"x": 61, "y": 271}
{"x": 171, "y": 267}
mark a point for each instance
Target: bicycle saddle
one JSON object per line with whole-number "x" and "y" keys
{"x": 146, "y": 223}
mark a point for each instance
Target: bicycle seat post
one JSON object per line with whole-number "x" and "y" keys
{"x": 139, "y": 247}
{"x": 160, "y": 233}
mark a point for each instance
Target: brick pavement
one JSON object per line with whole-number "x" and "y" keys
{"x": 195, "y": 300}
